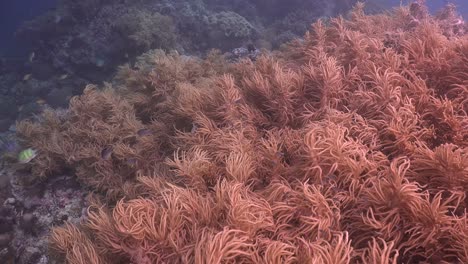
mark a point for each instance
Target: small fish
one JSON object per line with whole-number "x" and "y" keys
{"x": 106, "y": 152}
{"x": 100, "y": 62}
{"x": 144, "y": 132}
{"x": 41, "y": 101}
{"x": 57, "y": 19}
{"x": 32, "y": 56}
{"x": 132, "y": 162}
{"x": 251, "y": 47}
{"x": 63, "y": 76}
{"x": 27, "y": 77}
{"x": 27, "y": 155}
{"x": 194, "y": 128}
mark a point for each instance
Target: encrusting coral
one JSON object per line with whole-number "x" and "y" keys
{"x": 349, "y": 146}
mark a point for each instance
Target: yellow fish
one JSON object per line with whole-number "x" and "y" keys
{"x": 27, "y": 155}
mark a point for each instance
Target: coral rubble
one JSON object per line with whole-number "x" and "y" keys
{"x": 347, "y": 146}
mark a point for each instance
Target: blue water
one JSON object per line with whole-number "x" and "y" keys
{"x": 434, "y": 5}
{"x": 14, "y": 12}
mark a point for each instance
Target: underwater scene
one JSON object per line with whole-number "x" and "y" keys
{"x": 242, "y": 131}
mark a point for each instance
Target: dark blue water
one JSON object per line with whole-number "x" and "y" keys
{"x": 434, "y": 5}
{"x": 12, "y": 14}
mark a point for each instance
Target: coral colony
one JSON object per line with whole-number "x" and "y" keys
{"x": 349, "y": 145}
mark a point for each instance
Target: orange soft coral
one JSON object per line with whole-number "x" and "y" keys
{"x": 346, "y": 147}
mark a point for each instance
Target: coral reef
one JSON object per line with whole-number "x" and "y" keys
{"x": 93, "y": 36}
{"x": 231, "y": 24}
{"x": 28, "y": 214}
{"x": 230, "y": 27}
{"x": 85, "y": 41}
{"x": 347, "y": 146}
{"x": 146, "y": 31}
